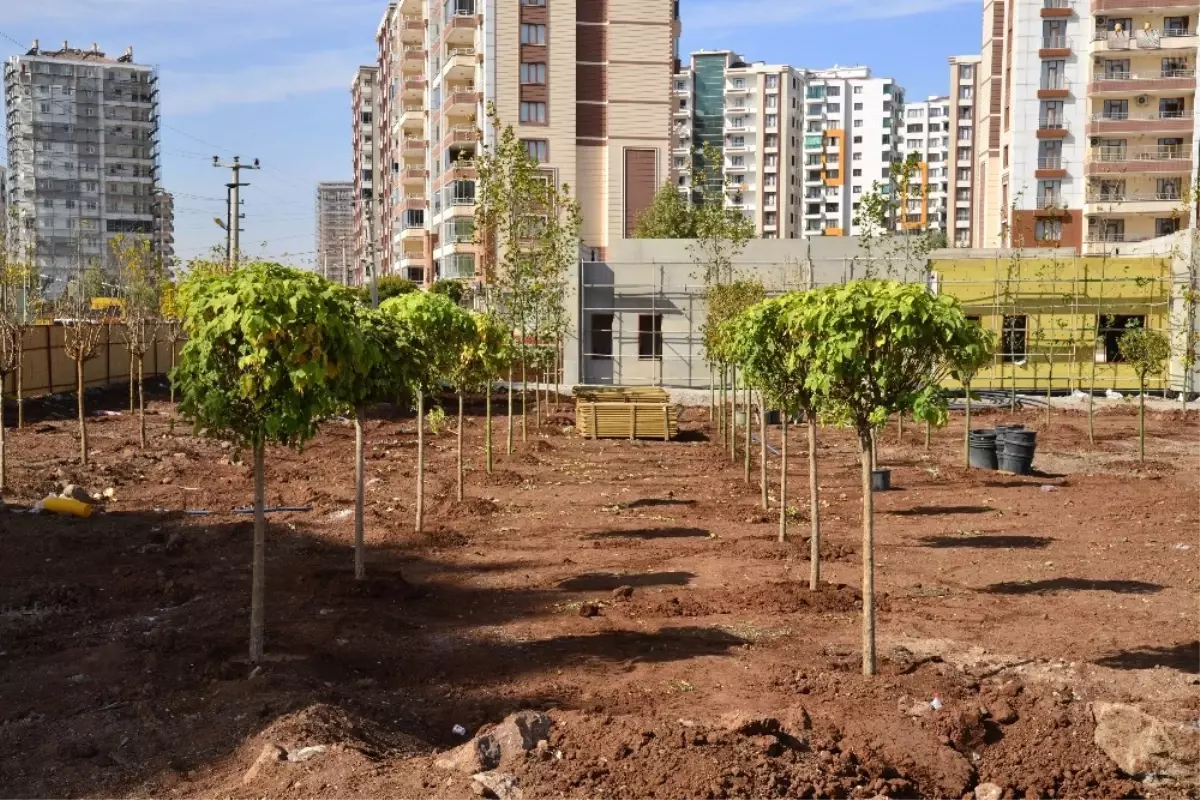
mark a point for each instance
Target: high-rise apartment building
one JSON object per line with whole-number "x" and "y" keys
{"x": 964, "y": 72}
{"x": 1096, "y": 122}
{"x": 83, "y": 154}
{"x": 335, "y": 230}
{"x": 926, "y": 143}
{"x": 798, "y": 147}
{"x": 164, "y": 226}
{"x": 584, "y": 83}
{"x": 366, "y": 228}
{"x": 3, "y": 198}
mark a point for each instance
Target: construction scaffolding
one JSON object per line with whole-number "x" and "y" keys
{"x": 335, "y": 231}
{"x": 1058, "y": 317}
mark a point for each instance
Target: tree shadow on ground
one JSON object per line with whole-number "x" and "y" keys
{"x": 1071, "y": 585}
{"x": 651, "y": 533}
{"x": 935, "y": 511}
{"x": 1183, "y": 657}
{"x": 691, "y": 436}
{"x": 133, "y": 613}
{"x": 607, "y": 581}
{"x": 654, "y": 502}
{"x": 997, "y": 541}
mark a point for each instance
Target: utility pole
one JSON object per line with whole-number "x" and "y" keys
{"x": 235, "y": 225}
{"x": 371, "y": 263}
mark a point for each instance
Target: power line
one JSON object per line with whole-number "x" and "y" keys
{"x": 11, "y": 39}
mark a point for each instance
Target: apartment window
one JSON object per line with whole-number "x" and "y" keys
{"x": 1048, "y": 230}
{"x": 539, "y": 3}
{"x": 737, "y": 161}
{"x": 458, "y": 265}
{"x": 857, "y": 189}
{"x": 858, "y": 123}
{"x": 1165, "y": 226}
{"x": 963, "y": 173}
{"x": 856, "y": 90}
{"x": 1013, "y": 340}
{"x": 1115, "y": 69}
{"x": 602, "y": 337}
{"x": 533, "y": 34}
{"x": 737, "y": 141}
{"x": 680, "y": 85}
{"x": 966, "y": 72}
{"x": 533, "y": 112}
{"x": 833, "y": 108}
{"x": 1171, "y": 107}
{"x": 915, "y": 113}
{"x": 1112, "y": 328}
{"x": 964, "y": 134}
{"x": 772, "y": 81}
{"x": 857, "y": 140}
{"x": 772, "y": 101}
{"x": 1169, "y": 189}
{"x": 738, "y": 122}
{"x": 533, "y": 73}
{"x": 856, "y": 173}
{"x": 887, "y": 139}
{"x": 650, "y": 341}
{"x": 460, "y": 230}
{"x": 1175, "y": 68}
{"x": 771, "y": 140}
{"x": 966, "y": 92}
{"x": 772, "y": 121}
{"x": 538, "y": 149}
{"x": 812, "y": 159}
{"x": 913, "y": 144}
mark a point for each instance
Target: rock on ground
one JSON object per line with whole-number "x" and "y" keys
{"x": 516, "y": 735}
{"x": 1141, "y": 744}
{"x": 988, "y": 791}
{"x": 499, "y": 785}
{"x": 271, "y": 754}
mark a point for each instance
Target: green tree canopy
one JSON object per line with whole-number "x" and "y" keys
{"x": 264, "y": 344}
{"x": 437, "y": 331}
{"x": 670, "y": 216}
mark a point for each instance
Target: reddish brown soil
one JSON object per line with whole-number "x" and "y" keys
{"x": 709, "y": 669}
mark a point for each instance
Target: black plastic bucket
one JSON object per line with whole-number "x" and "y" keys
{"x": 881, "y": 480}
{"x": 1017, "y": 453}
{"x": 981, "y": 449}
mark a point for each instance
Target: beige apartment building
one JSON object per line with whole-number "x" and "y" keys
{"x": 964, "y": 87}
{"x": 366, "y": 229}
{"x": 1085, "y": 134}
{"x": 585, "y": 83}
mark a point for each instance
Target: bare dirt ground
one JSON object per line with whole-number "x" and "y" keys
{"x": 1019, "y": 601}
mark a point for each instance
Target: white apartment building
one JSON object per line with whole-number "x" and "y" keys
{"x": 571, "y": 78}
{"x": 367, "y": 228}
{"x": 1097, "y": 122}
{"x": 83, "y": 155}
{"x": 964, "y": 74}
{"x": 926, "y": 136}
{"x": 798, "y": 146}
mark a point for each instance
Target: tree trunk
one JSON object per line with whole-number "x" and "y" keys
{"x": 420, "y": 524}
{"x": 3, "y": 469}
{"x": 928, "y": 434}
{"x": 360, "y": 559}
{"x": 258, "y": 583}
{"x": 83, "y": 436}
{"x": 1142, "y": 423}
{"x": 487, "y": 431}
{"x": 762, "y": 451}
{"x": 141, "y": 405}
{"x": 537, "y": 400}
{"x": 132, "y": 407}
{"x": 712, "y": 394}
{"x": 721, "y": 408}
{"x": 783, "y": 470}
{"x": 524, "y": 395}
{"x": 967, "y": 432}
{"x": 20, "y": 397}
{"x": 460, "y": 447}
{"x": 1049, "y": 388}
{"x": 746, "y": 442}
{"x": 868, "y": 558}
{"x": 509, "y": 440}
{"x": 814, "y": 500}
{"x": 171, "y": 378}
{"x": 1091, "y": 413}
{"x": 900, "y": 428}
{"x": 733, "y": 416}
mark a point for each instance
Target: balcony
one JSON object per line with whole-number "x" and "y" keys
{"x": 1055, "y": 87}
{"x": 1052, "y": 9}
{"x": 463, "y": 102}
{"x": 1139, "y": 161}
{"x": 460, "y": 64}
{"x": 1161, "y": 80}
{"x": 413, "y": 176}
{"x": 413, "y": 59}
{"x": 736, "y": 168}
{"x": 1052, "y": 128}
{"x": 682, "y": 111}
{"x": 1055, "y": 47}
{"x": 412, "y": 117}
{"x": 413, "y": 202}
{"x": 413, "y": 146}
{"x": 1159, "y": 203}
{"x": 412, "y": 29}
{"x": 1158, "y": 6}
{"x": 1050, "y": 167}
{"x": 733, "y": 89}
{"x": 461, "y": 134}
{"x": 460, "y": 30}
{"x": 1146, "y": 122}
{"x": 414, "y": 88}
{"x": 1049, "y": 205}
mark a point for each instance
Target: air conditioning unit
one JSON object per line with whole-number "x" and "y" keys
{"x": 1098, "y": 62}
{"x": 1095, "y": 141}
{"x": 1142, "y": 100}
{"x": 1101, "y": 22}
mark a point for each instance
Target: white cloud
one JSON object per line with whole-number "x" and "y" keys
{"x": 185, "y": 93}
{"x": 717, "y": 15}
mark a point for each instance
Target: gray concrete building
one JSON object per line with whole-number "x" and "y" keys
{"x": 335, "y": 230}
{"x": 83, "y": 155}
{"x": 640, "y": 312}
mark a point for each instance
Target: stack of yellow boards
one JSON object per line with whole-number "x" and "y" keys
{"x": 615, "y": 412}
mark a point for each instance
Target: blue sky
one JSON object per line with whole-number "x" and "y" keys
{"x": 270, "y": 79}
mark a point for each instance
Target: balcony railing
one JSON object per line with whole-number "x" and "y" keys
{"x": 1052, "y": 124}
{"x": 1054, "y": 82}
{"x": 1169, "y": 153}
{"x": 1049, "y": 201}
{"x": 1056, "y": 42}
{"x": 1132, "y": 197}
{"x": 1050, "y": 162}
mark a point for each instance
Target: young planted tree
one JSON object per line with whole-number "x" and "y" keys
{"x": 264, "y": 345}
{"x": 170, "y": 320}
{"x": 877, "y": 350}
{"x": 438, "y": 330}
{"x": 670, "y": 216}
{"x": 139, "y": 283}
{"x": 493, "y": 354}
{"x": 84, "y": 327}
{"x": 725, "y": 301}
{"x": 20, "y": 305}
{"x": 382, "y": 367}
{"x": 975, "y": 350}
{"x": 774, "y": 344}
{"x": 1147, "y": 352}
